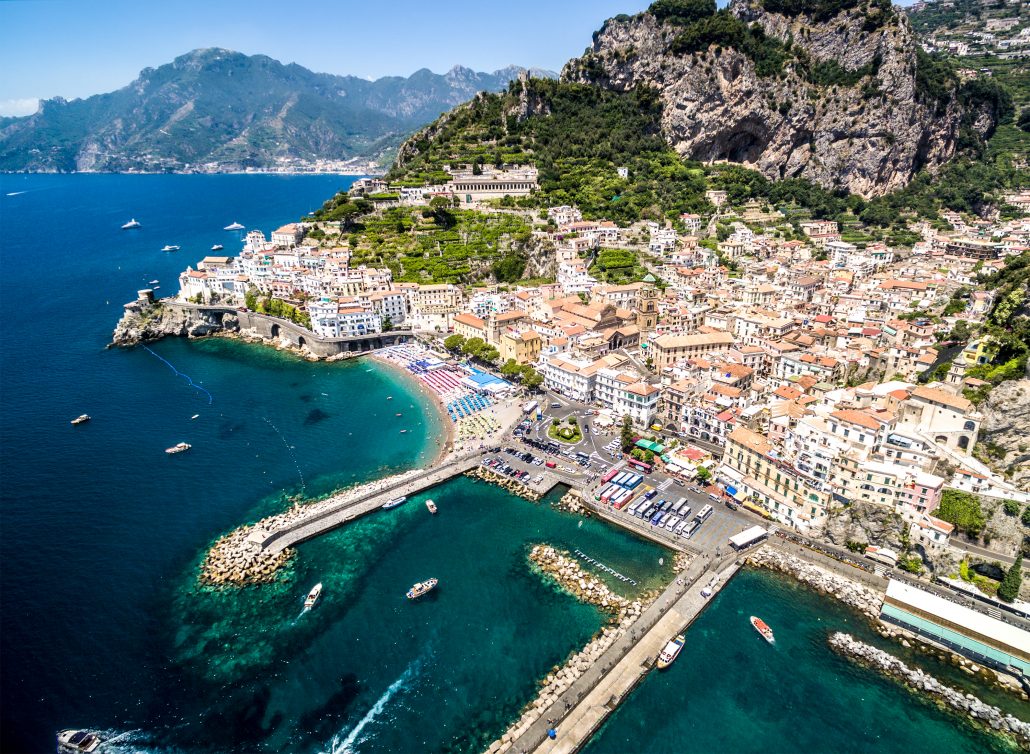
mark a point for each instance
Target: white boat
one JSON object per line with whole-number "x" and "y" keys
{"x": 671, "y": 652}
{"x": 153, "y": 282}
{"x": 431, "y": 506}
{"x": 234, "y": 226}
{"x": 77, "y": 740}
{"x": 195, "y": 416}
{"x": 133, "y": 223}
{"x": 762, "y": 628}
{"x": 170, "y": 247}
{"x": 423, "y": 587}
{"x": 81, "y": 419}
{"x": 393, "y": 503}
{"x": 217, "y": 247}
{"x": 312, "y": 598}
{"x": 179, "y": 447}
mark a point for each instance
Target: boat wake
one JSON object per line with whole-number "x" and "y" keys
{"x": 134, "y": 742}
{"x": 354, "y": 737}
{"x": 210, "y": 398}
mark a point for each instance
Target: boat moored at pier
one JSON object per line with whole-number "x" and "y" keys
{"x": 671, "y": 652}
{"x": 763, "y": 629}
{"x": 77, "y": 741}
{"x": 393, "y": 503}
{"x": 421, "y": 588}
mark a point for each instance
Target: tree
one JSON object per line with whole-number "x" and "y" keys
{"x": 454, "y": 342}
{"x": 511, "y": 369}
{"x": 627, "y": 435}
{"x": 1009, "y": 589}
{"x": 1011, "y": 507}
{"x": 532, "y": 379}
{"x": 473, "y": 346}
{"x": 489, "y": 354}
{"x": 963, "y": 510}
{"x": 387, "y": 323}
{"x": 703, "y": 474}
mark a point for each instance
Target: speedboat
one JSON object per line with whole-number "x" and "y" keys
{"x": 762, "y": 628}
{"x": 234, "y": 226}
{"x": 77, "y": 740}
{"x": 132, "y": 224}
{"x": 393, "y": 503}
{"x": 169, "y": 247}
{"x": 312, "y": 598}
{"x": 423, "y": 587}
{"x": 431, "y": 506}
{"x": 671, "y": 652}
{"x": 179, "y": 447}
{"x": 195, "y": 416}
{"x": 81, "y": 419}
{"x": 217, "y": 247}
{"x": 153, "y": 282}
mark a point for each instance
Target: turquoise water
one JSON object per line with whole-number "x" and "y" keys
{"x": 729, "y": 691}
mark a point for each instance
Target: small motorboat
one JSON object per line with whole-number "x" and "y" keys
{"x": 403, "y": 431}
{"x": 153, "y": 282}
{"x": 234, "y": 226}
{"x": 170, "y": 247}
{"x": 762, "y": 628}
{"x": 77, "y": 741}
{"x": 389, "y": 397}
{"x": 671, "y": 652}
{"x": 81, "y": 419}
{"x": 179, "y": 447}
{"x": 132, "y": 224}
{"x": 217, "y": 247}
{"x": 421, "y": 588}
{"x": 313, "y": 595}
{"x": 195, "y": 416}
{"x": 431, "y": 506}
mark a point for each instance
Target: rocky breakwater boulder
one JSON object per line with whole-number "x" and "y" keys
{"x": 844, "y": 589}
{"x": 145, "y": 321}
{"x": 572, "y": 501}
{"x": 513, "y": 486}
{"x": 565, "y": 570}
{"x": 979, "y": 712}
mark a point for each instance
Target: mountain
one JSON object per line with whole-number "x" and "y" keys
{"x": 236, "y": 111}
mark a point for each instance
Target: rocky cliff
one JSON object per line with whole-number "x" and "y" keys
{"x": 1006, "y": 425}
{"x": 145, "y": 323}
{"x": 839, "y": 99}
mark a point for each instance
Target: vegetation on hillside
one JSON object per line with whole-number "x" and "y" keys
{"x": 963, "y": 510}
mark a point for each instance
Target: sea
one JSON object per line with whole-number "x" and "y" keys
{"x": 103, "y": 624}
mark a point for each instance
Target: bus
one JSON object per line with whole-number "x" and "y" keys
{"x": 529, "y": 407}
{"x": 632, "y": 509}
{"x": 625, "y": 500}
{"x": 678, "y": 506}
{"x": 606, "y": 492}
{"x": 612, "y": 473}
{"x": 645, "y": 467}
{"x": 703, "y": 514}
{"x": 633, "y": 481}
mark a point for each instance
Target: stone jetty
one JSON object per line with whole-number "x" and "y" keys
{"x": 563, "y": 567}
{"x": 981, "y": 713}
{"x": 513, "y": 486}
{"x": 572, "y": 501}
{"x": 840, "y": 587}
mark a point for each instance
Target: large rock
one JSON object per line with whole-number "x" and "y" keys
{"x": 870, "y": 137}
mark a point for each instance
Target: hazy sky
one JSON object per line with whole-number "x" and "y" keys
{"x": 75, "y": 48}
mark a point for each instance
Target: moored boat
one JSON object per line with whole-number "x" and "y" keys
{"x": 132, "y": 224}
{"x": 671, "y": 652}
{"x": 81, "y": 419}
{"x": 217, "y": 247}
{"x": 431, "y": 506}
{"x": 422, "y": 587}
{"x": 179, "y": 447}
{"x": 77, "y": 740}
{"x": 234, "y": 226}
{"x": 393, "y": 503}
{"x": 313, "y": 595}
{"x": 763, "y": 629}
{"x": 170, "y": 247}
{"x": 153, "y": 282}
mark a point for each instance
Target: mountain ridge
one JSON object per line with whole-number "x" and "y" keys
{"x": 213, "y": 106}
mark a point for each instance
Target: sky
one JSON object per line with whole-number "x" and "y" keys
{"x": 76, "y": 48}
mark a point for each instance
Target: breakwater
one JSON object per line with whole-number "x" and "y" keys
{"x": 513, "y": 486}
{"x": 979, "y": 712}
{"x": 563, "y": 568}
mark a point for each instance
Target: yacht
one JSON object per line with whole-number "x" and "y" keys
{"x": 77, "y": 740}
{"x": 153, "y": 282}
{"x": 169, "y": 247}
{"x": 132, "y": 224}
{"x": 234, "y": 226}
{"x": 81, "y": 419}
{"x": 763, "y": 628}
{"x": 179, "y": 447}
{"x": 423, "y": 587}
{"x": 217, "y": 247}
{"x": 312, "y": 598}
{"x": 671, "y": 652}
{"x": 393, "y": 503}
{"x": 431, "y": 506}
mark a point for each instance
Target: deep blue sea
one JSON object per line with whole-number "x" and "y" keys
{"x": 102, "y": 624}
